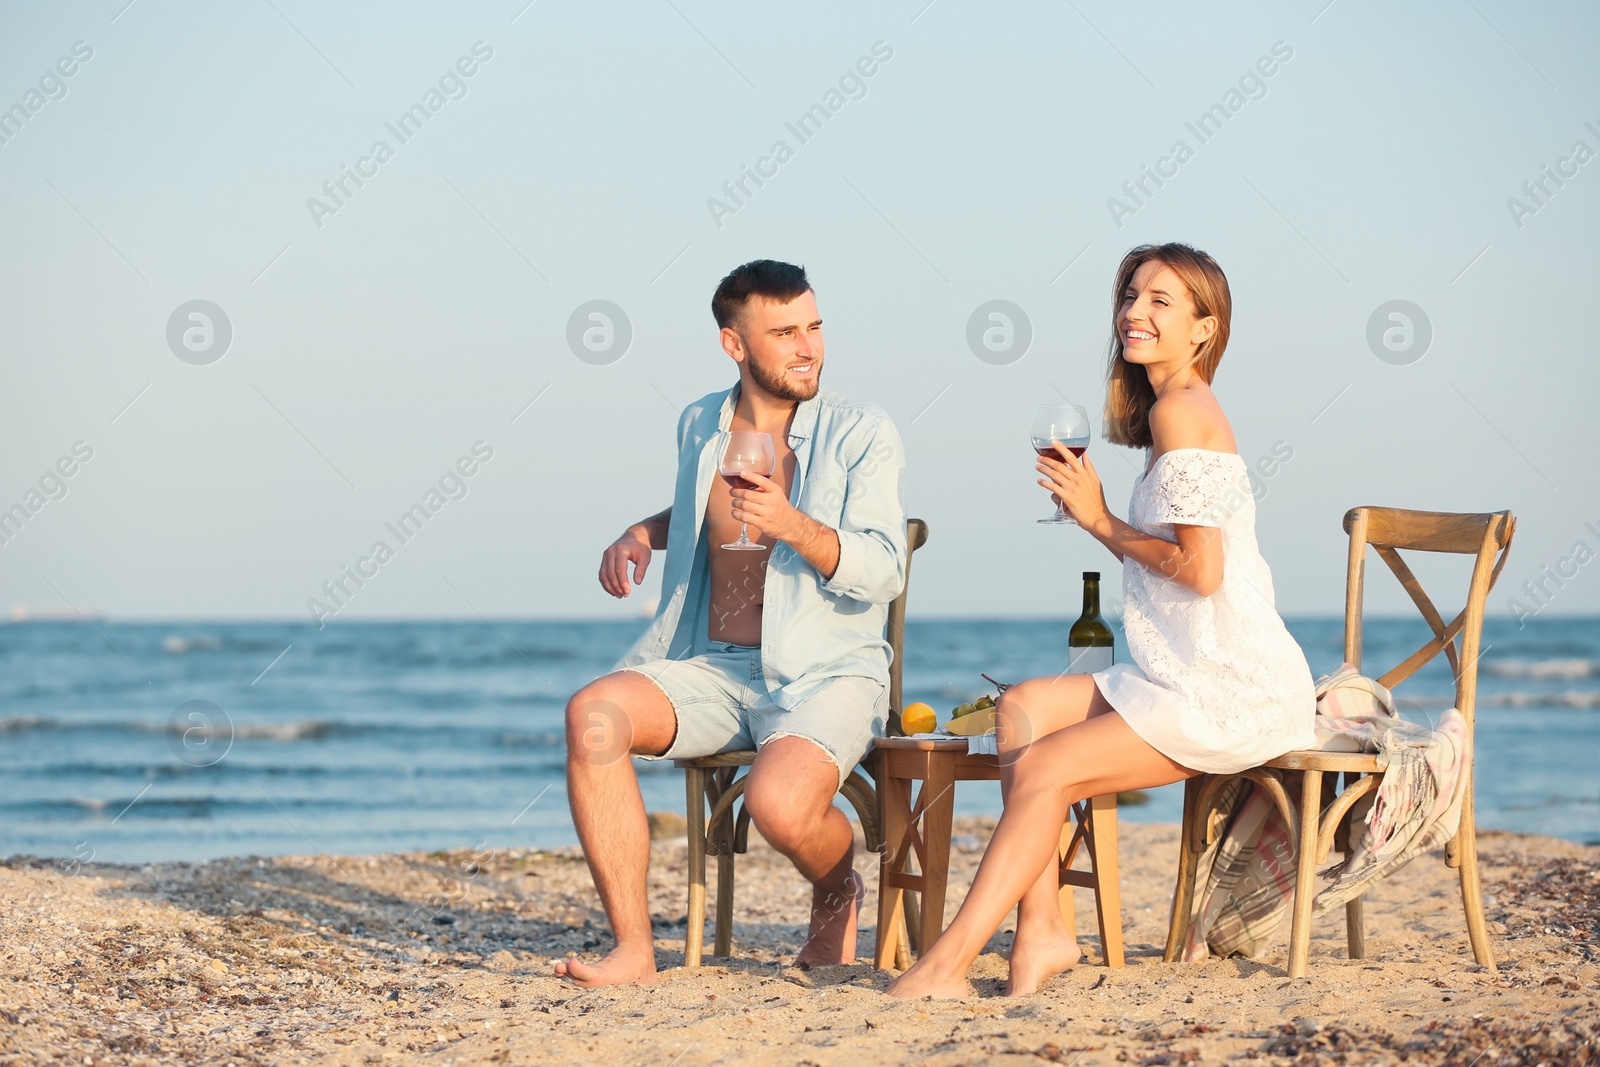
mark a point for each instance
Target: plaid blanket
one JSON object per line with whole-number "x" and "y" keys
{"x": 1246, "y": 878}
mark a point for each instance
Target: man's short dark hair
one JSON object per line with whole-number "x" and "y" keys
{"x": 766, "y": 278}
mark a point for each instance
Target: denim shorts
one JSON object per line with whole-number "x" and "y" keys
{"x": 720, "y": 702}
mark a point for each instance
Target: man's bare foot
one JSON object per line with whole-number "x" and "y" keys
{"x": 1038, "y": 957}
{"x": 622, "y": 966}
{"x": 832, "y": 938}
{"x": 925, "y": 981}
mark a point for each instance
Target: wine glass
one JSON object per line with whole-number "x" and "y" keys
{"x": 747, "y": 450}
{"x": 1068, "y": 424}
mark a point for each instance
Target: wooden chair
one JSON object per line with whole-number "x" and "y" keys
{"x": 718, "y": 823}
{"x": 1315, "y": 826}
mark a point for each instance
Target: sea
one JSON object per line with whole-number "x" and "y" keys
{"x": 145, "y": 742}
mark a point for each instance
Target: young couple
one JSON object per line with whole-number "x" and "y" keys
{"x": 782, "y": 651}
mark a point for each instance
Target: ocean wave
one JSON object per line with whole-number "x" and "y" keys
{"x": 16, "y": 724}
{"x": 452, "y": 735}
{"x": 311, "y": 729}
{"x": 1576, "y": 667}
{"x": 147, "y": 807}
{"x": 161, "y": 807}
{"x": 130, "y": 807}
{"x": 174, "y": 645}
{"x": 515, "y": 740}
{"x": 1565, "y": 699}
{"x": 305, "y": 730}
{"x": 137, "y": 772}
{"x": 141, "y": 770}
{"x": 419, "y": 699}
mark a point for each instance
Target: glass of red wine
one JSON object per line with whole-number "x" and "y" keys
{"x": 1068, "y": 426}
{"x": 751, "y": 451}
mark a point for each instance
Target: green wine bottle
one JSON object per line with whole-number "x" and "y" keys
{"x": 1090, "y": 645}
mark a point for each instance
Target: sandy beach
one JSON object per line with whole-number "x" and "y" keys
{"x": 445, "y": 958}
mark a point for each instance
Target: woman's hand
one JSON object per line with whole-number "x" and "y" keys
{"x": 1076, "y": 484}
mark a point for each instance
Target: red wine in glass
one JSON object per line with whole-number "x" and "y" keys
{"x": 1048, "y": 448}
{"x": 748, "y": 450}
{"x": 1068, "y": 424}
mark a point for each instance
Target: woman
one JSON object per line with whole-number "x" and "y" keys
{"x": 1216, "y": 683}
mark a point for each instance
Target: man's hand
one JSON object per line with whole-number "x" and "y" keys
{"x": 632, "y": 547}
{"x": 767, "y": 508}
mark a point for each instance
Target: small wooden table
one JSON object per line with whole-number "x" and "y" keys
{"x": 921, "y": 824}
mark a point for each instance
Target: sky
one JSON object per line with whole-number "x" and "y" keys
{"x": 1413, "y": 324}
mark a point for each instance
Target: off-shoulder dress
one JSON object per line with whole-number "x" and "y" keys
{"x": 1217, "y": 683}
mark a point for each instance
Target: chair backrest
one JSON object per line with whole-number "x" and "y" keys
{"x": 1487, "y": 536}
{"x": 895, "y": 632}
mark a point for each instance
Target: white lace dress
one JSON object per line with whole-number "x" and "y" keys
{"x": 1217, "y": 684}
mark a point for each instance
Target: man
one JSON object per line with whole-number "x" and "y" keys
{"x": 780, "y": 650}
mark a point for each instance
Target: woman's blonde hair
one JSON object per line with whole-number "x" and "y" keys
{"x": 1129, "y": 395}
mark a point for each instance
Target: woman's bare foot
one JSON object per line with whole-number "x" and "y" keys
{"x": 622, "y": 966}
{"x": 832, "y": 938}
{"x": 1038, "y": 957}
{"x": 924, "y": 979}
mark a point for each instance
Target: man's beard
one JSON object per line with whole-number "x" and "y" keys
{"x": 781, "y": 387}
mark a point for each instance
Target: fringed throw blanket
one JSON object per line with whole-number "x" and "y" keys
{"x": 1247, "y": 878}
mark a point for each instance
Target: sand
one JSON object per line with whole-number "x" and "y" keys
{"x": 445, "y": 959}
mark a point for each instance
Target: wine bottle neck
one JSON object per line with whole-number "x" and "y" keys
{"x": 1091, "y": 599}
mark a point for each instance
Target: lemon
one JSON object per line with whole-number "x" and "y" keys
{"x": 918, "y": 718}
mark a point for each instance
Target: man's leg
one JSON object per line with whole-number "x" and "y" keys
{"x": 789, "y": 796}
{"x": 608, "y": 721}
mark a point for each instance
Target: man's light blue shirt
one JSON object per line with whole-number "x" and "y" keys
{"x": 850, "y": 475}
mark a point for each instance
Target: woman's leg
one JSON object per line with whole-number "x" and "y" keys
{"x": 1099, "y": 755}
{"x": 1044, "y": 945}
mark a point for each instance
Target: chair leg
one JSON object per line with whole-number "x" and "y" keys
{"x": 1306, "y": 871}
{"x": 1471, "y": 890}
{"x": 1355, "y": 929}
{"x": 724, "y": 942}
{"x": 1188, "y": 868}
{"x": 1107, "y": 881}
{"x": 694, "y": 934}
